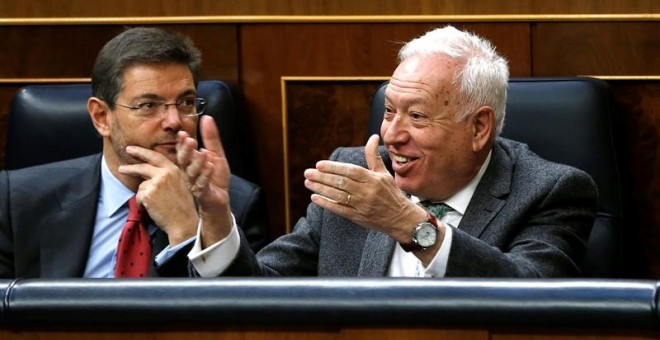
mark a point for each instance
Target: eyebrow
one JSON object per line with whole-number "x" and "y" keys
{"x": 153, "y": 96}
{"x": 414, "y": 101}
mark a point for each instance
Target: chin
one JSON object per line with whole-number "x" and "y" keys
{"x": 407, "y": 186}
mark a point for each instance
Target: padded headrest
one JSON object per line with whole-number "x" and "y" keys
{"x": 49, "y": 123}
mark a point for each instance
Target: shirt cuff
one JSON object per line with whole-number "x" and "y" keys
{"x": 213, "y": 260}
{"x": 169, "y": 251}
{"x": 438, "y": 266}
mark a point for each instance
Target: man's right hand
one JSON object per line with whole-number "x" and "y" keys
{"x": 208, "y": 174}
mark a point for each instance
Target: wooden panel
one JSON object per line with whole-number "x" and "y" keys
{"x": 194, "y": 333}
{"x": 639, "y": 104}
{"x": 270, "y": 51}
{"x": 413, "y": 334}
{"x": 6, "y": 93}
{"x": 54, "y": 52}
{"x": 70, "y": 51}
{"x": 588, "y": 48}
{"x": 84, "y": 8}
{"x": 321, "y": 116}
{"x": 575, "y": 335}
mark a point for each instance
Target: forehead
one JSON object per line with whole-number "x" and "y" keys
{"x": 423, "y": 78}
{"x": 162, "y": 79}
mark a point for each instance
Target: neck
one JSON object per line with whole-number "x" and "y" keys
{"x": 113, "y": 162}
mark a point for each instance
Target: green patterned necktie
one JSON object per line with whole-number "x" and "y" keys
{"x": 437, "y": 209}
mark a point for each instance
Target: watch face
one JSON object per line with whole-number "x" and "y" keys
{"x": 426, "y": 235}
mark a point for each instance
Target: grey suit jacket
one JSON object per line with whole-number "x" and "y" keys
{"x": 47, "y": 216}
{"x": 527, "y": 218}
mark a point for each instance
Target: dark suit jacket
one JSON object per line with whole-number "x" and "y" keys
{"x": 527, "y": 218}
{"x": 47, "y": 218}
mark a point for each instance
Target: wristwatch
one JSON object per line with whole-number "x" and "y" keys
{"x": 424, "y": 236}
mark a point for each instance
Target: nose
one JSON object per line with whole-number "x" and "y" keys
{"x": 395, "y": 130}
{"x": 171, "y": 118}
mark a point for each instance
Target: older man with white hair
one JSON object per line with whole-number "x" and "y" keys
{"x": 445, "y": 196}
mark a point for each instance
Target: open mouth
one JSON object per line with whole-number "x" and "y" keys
{"x": 401, "y": 159}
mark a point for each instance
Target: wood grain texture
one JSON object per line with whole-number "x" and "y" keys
{"x": 322, "y": 116}
{"x": 522, "y": 334}
{"x": 124, "y": 8}
{"x": 639, "y": 104}
{"x": 588, "y": 48}
{"x": 70, "y": 51}
{"x": 6, "y": 93}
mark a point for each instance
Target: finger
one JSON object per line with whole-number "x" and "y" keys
{"x": 350, "y": 171}
{"x": 184, "y": 148}
{"x": 202, "y": 181}
{"x": 148, "y": 156}
{"x": 333, "y": 206}
{"x": 211, "y": 135}
{"x": 143, "y": 170}
{"x": 374, "y": 161}
{"x": 219, "y": 174}
{"x": 329, "y": 179}
{"x": 198, "y": 159}
{"x": 330, "y": 193}
{"x": 324, "y": 198}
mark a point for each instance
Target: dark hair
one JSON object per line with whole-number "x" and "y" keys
{"x": 140, "y": 45}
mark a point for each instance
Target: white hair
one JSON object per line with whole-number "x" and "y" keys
{"x": 482, "y": 76}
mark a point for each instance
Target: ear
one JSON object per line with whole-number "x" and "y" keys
{"x": 99, "y": 112}
{"x": 483, "y": 126}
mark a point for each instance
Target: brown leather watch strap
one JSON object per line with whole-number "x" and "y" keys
{"x": 413, "y": 245}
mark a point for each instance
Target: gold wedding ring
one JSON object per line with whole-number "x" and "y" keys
{"x": 348, "y": 200}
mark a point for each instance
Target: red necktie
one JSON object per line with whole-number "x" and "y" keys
{"x": 134, "y": 249}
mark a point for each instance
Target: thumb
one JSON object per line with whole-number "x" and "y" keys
{"x": 374, "y": 161}
{"x": 210, "y": 135}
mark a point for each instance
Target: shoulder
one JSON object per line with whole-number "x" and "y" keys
{"x": 242, "y": 193}
{"x": 55, "y": 172}
{"x": 348, "y": 155}
{"x": 242, "y": 184}
{"x": 531, "y": 168}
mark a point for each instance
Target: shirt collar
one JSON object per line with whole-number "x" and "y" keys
{"x": 460, "y": 200}
{"x": 114, "y": 194}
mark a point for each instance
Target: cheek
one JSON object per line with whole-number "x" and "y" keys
{"x": 383, "y": 127}
{"x": 191, "y": 128}
{"x": 189, "y": 125}
{"x": 440, "y": 149}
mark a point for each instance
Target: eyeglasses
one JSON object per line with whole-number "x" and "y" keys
{"x": 189, "y": 107}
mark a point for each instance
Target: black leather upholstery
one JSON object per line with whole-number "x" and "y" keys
{"x": 44, "y": 112}
{"x": 49, "y": 123}
{"x": 569, "y": 121}
{"x": 298, "y": 302}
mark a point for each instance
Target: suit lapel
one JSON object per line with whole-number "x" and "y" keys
{"x": 67, "y": 232}
{"x": 487, "y": 200}
{"x": 377, "y": 254}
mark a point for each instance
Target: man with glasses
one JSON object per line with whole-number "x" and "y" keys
{"x": 129, "y": 211}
